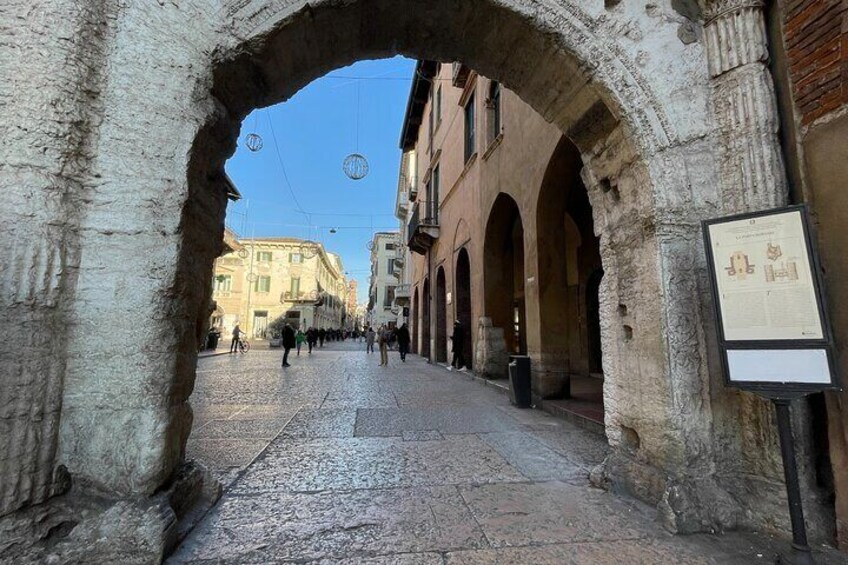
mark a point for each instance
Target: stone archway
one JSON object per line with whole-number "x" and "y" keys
{"x": 131, "y": 188}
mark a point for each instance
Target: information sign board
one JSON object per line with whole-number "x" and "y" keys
{"x": 773, "y": 326}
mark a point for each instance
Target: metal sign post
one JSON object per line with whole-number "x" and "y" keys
{"x": 773, "y": 328}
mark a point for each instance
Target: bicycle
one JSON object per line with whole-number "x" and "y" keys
{"x": 243, "y": 346}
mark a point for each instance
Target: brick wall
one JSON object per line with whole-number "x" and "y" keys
{"x": 816, "y": 34}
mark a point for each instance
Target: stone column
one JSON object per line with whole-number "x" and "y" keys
{"x": 744, "y": 105}
{"x": 51, "y": 56}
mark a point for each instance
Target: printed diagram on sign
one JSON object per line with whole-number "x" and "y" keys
{"x": 739, "y": 267}
{"x": 773, "y": 252}
{"x": 784, "y": 271}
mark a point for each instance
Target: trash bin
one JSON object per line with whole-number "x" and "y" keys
{"x": 519, "y": 380}
{"x": 212, "y": 340}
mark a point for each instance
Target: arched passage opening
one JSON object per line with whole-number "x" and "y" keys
{"x": 425, "y": 320}
{"x": 441, "y": 316}
{"x": 569, "y": 275}
{"x": 646, "y": 136}
{"x": 462, "y": 296}
{"x": 503, "y": 262}
{"x": 415, "y": 320}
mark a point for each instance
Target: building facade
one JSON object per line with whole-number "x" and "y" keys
{"x": 384, "y": 280}
{"x": 265, "y": 278}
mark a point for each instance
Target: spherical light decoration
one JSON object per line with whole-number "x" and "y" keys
{"x": 252, "y": 277}
{"x": 243, "y": 253}
{"x": 254, "y": 142}
{"x": 355, "y": 166}
{"x": 370, "y": 246}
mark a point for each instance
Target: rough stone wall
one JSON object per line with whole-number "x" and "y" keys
{"x": 149, "y": 237}
{"x": 51, "y": 57}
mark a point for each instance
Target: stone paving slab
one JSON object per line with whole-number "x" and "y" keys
{"x": 218, "y": 453}
{"x": 364, "y": 463}
{"x": 555, "y": 512}
{"x": 280, "y": 526}
{"x": 411, "y": 465}
{"x": 447, "y": 420}
{"x": 266, "y": 429}
{"x": 533, "y": 459}
{"x": 321, "y": 424}
{"x": 587, "y": 449}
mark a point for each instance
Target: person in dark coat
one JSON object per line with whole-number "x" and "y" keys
{"x": 289, "y": 342}
{"x": 322, "y": 335}
{"x": 311, "y": 338}
{"x": 458, "y": 339}
{"x": 402, "y": 336}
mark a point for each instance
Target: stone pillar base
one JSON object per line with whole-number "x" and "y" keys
{"x": 491, "y": 359}
{"x": 549, "y": 385}
{"x": 82, "y": 527}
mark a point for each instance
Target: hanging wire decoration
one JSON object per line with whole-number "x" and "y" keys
{"x": 254, "y": 140}
{"x": 355, "y": 165}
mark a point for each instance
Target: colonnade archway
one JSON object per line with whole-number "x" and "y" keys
{"x": 441, "y": 316}
{"x": 569, "y": 275}
{"x": 90, "y": 214}
{"x": 414, "y": 318}
{"x": 503, "y": 262}
{"x": 462, "y": 297}
{"x": 425, "y": 319}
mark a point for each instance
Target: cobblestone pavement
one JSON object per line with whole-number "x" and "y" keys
{"x": 338, "y": 460}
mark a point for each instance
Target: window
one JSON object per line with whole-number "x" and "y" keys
{"x": 263, "y": 256}
{"x": 433, "y": 190}
{"x": 438, "y": 106}
{"x": 295, "y": 258}
{"x": 390, "y": 247}
{"x": 262, "y": 284}
{"x": 224, "y": 283}
{"x": 295, "y": 287}
{"x": 390, "y": 296}
{"x": 493, "y": 105}
{"x": 430, "y": 129}
{"x": 470, "y": 130}
{"x": 391, "y": 270}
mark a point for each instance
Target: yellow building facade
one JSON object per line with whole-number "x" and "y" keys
{"x": 262, "y": 279}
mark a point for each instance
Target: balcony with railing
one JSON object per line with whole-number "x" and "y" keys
{"x": 403, "y": 293}
{"x": 422, "y": 230}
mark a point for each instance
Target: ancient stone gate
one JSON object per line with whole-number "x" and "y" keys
{"x": 118, "y": 117}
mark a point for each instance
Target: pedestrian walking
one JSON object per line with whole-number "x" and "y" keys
{"x": 370, "y": 336}
{"x": 402, "y": 336}
{"x": 458, "y": 339}
{"x": 236, "y": 338}
{"x": 300, "y": 337}
{"x": 322, "y": 335}
{"x": 289, "y": 341}
{"x": 311, "y": 338}
{"x": 384, "y": 336}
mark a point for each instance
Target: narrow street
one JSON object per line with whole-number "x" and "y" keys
{"x": 337, "y": 458}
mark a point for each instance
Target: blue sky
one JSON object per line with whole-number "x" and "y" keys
{"x": 315, "y": 131}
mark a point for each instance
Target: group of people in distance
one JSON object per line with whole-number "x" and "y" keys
{"x": 385, "y": 337}
{"x": 313, "y": 337}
